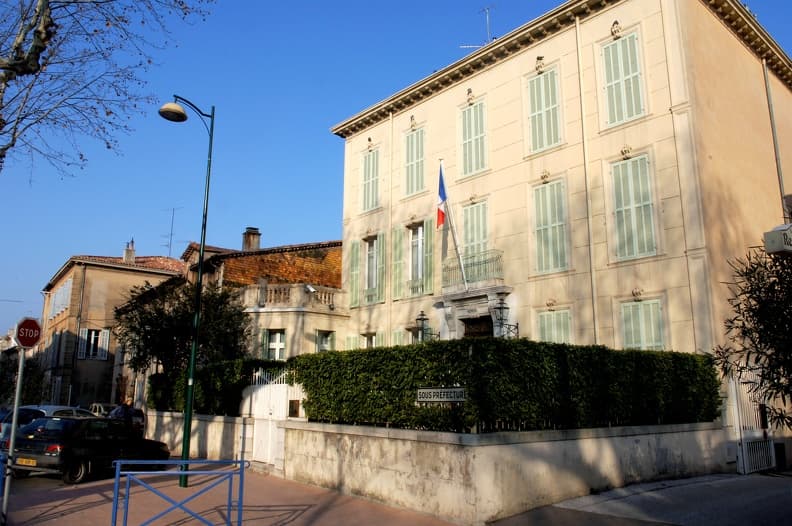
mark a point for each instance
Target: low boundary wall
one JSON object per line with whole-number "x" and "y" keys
{"x": 472, "y": 479}
{"x": 213, "y": 437}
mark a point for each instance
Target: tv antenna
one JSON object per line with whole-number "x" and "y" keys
{"x": 486, "y": 12}
{"x": 169, "y": 244}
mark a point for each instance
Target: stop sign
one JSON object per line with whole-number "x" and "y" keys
{"x": 28, "y": 332}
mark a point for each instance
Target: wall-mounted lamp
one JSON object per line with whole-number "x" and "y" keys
{"x": 507, "y": 330}
{"x": 424, "y": 331}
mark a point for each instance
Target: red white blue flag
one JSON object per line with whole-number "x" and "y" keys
{"x": 441, "y": 200}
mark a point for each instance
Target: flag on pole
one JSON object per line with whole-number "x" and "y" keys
{"x": 441, "y": 200}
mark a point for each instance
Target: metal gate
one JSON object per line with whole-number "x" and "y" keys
{"x": 756, "y": 451}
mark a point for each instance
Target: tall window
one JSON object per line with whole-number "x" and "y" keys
{"x": 93, "y": 344}
{"x": 371, "y": 180}
{"x": 642, "y": 325}
{"x": 325, "y": 341}
{"x": 59, "y": 300}
{"x": 555, "y": 326}
{"x": 622, "y": 79}
{"x": 374, "y": 269}
{"x": 545, "y": 116}
{"x": 414, "y": 161}
{"x": 474, "y": 154}
{"x": 551, "y": 244}
{"x": 635, "y": 235}
{"x": 417, "y": 253}
{"x": 475, "y": 241}
{"x": 354, "y": 274}
{"x": 273, "y": 344}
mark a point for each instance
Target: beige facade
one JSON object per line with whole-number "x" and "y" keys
{"x": 601, "y": 163}
{"x": 82, "y": 361}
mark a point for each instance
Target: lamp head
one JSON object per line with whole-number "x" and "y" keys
{"x": 173, "y": 111}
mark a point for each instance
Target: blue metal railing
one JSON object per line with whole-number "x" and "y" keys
{"x": 220, "y": 476}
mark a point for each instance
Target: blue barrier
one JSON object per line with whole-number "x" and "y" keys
{"x": 220, "y": 477}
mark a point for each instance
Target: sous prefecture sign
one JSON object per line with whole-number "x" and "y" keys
{"x": 442, "y": 394}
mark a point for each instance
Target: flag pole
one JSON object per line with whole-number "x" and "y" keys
{"x": 447, "y": 210}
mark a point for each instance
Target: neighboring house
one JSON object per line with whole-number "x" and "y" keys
{"x": 602, "y": 163}
{"x": 292, "y": 293}
{"x": 81, "y": 359}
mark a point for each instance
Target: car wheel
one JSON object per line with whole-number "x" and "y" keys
{"x": 20, "y": 473}
{"x": 76, "y": 472}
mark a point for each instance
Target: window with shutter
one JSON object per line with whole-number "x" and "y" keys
{"x": 397, "y": 263}
{"x": 82, "y": 344}
{"x": 474, "y": 145}
{"x": 371, "y": 180}
{"x": 474, "y": 219}
{"x": 104, "y": 345}
{"x": 354, "y": 274}
{"x": 428, "y": 255}
{"x": 544, "y": 110}
{"x": 555, "y": 326}
{"x": 414, "y": 162}
{"x": 550, "y": 217}
{"x": 622, "y": 79}
{"x": 634, "y": 215}
{"x": 276, "y": 345}
{"x": 264, "y": 347}
{"x": 642, "y": 325}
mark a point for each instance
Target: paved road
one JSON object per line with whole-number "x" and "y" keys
{"x": 721, "y": 500}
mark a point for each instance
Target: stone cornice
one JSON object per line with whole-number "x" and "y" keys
{"x": 731, "y": 12}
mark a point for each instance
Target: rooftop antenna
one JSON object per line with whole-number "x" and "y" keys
{"x": 486, "y": 12}
{"x": 169, "y": 244}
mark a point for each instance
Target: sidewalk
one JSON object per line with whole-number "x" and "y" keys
{"x": 268, "y": 501}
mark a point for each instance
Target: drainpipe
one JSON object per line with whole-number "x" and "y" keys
{"x": 589, "y": 218}
{"x": 785, "y": 213}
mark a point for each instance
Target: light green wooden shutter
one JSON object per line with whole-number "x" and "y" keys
{"x": 81, "y": 345}
{"x": 397, "y": 337}
{"x": 381, "y": 267}
{"x": 633, "y": 208}
{"x": 473, "y": 139}
{"x": 414, "y": 162}
{"x": 397, "y": 272}
{"x": 104, "y": 344}
{"x": 623, "y": 79}
{"x": 264, "y": 353}
{"x": 550, "y": 227}
{"x": 354, "y": 274}
{"x": 371, "y": 180}
{"x": 380, "y": 340}
{"x": 428, "y": 253}
{"x": 642, "y": 325}
{"x": 475, "y": 225}
{"x": 332, "y": 341}
{"x": 555, "y": 326}
{"x": 544, "y": 118}
{"x": 352, "y": 342}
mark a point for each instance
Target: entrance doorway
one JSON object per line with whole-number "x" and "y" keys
{"x": 475, "y": 327}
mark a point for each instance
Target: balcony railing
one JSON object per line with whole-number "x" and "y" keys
{"x": 481, "y": 267}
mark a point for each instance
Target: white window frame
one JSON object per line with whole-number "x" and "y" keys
{"x": 414, "y": 161}
{"x": 473, "y": 141}
{"x": 374, "y": 269}
{"x": 417, "y": 251}
{"x": 276, "y": 350}
{"x": 634, "y": 231}
{"x": 548, "y": 323}
{"x": 325, "y": 341}
{"x": 551, "y": 226}
{"x": 647, "y": 331}
{"x": 370, "y": 184}
{"x": 623, "y": 98}
{"x": 543, "y": 96}
{"x": 93, "y": 344}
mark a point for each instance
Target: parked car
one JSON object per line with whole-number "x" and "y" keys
{"x": 77, "y": 448}
{"x": 27, "y": 413}
{"x": 101, "y": 408}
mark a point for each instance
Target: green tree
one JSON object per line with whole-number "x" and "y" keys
{"x": 760, "y": 331}
{"x": 76, "y": 68}
{"x": 156, "y": 326}
{"x": 32, "y": 381}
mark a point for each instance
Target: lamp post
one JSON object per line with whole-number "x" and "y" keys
{"x": 424, "y": 331}
{"x": 174, "y": 112}
{"x": 507, "y": 330}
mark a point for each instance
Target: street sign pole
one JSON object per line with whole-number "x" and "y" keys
{"x": 28, "y": 333}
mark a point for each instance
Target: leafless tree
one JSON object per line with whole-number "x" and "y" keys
{"x": 71, "y": 69}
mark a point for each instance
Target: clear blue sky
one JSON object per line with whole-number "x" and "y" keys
{"x": 280, "y": 74}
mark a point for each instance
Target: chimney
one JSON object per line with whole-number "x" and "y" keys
{"x": 129, "y": 252}
{"x": 251, "y": 239}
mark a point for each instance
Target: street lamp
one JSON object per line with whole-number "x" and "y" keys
{"x": 174, "y": 112}
{"x": 424, "y": 331}
{"x": 507, "y": 330}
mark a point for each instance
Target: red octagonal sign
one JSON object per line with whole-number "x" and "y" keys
{"x": 28, "y": 332}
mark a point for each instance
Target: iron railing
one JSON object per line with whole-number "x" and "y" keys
{"x": 479, "y": 267}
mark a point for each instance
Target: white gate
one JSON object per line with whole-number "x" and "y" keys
{"x": 756, "y": 450}
{"x": 267, "y": 402}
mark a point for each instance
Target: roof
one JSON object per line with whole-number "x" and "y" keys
{"x": 731, "y": 12}
{"x": 315, "y": 263}
{"x": 208, "y": 249}
{"x": 147, "y": 264}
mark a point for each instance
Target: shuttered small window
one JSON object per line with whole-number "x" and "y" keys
{"x": 550, "y": 211}
{"x": 428, "y": 256}
{"x": 635, "y": 231}
{"x": 642, "y": 325}
{"x": 354, "y": 274}
{"x": 371, "y": 180}
{"x": 474, "y": 144}
{"x": 555, "y": 326}
{"x": 397, "y": 263}
{"x": 545, "y": 115}
{"x": 414, "y": 161}
{"x": 375, "y": 270}
{"x": 474, "y": 219}
{"x": 622, "y": 79}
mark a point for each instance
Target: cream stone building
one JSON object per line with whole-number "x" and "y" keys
{"x": 602, "y": 164}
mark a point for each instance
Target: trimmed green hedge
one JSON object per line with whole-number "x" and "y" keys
{"x": 510, "y": 385}
{"x": 218, "y": 387}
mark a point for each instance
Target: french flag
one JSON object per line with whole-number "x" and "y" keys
{"x": 441, "y": 201}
